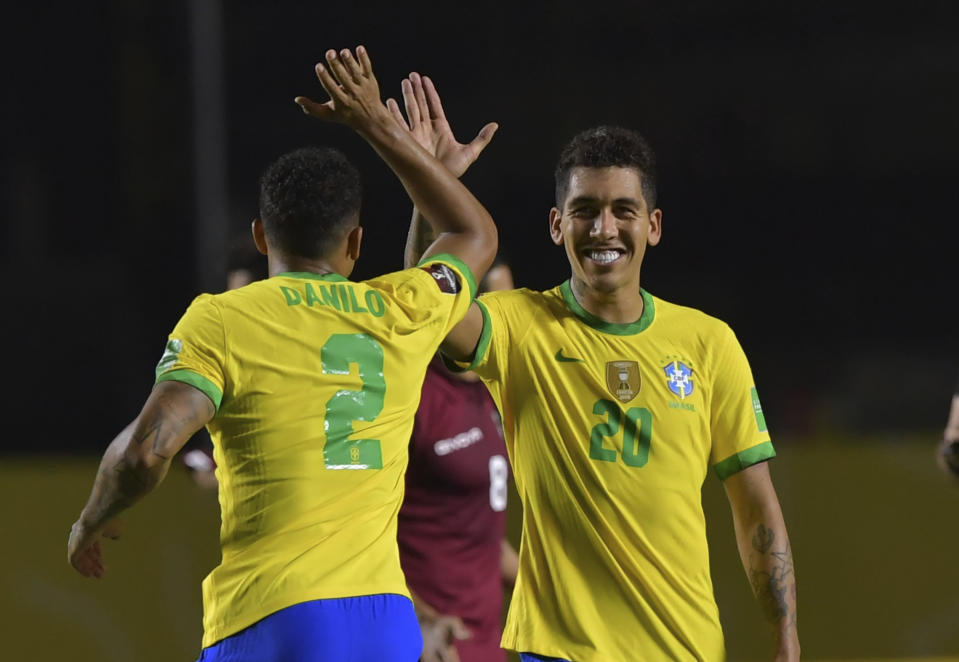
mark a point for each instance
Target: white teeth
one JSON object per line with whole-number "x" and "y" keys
{"x": 603, "y": 257}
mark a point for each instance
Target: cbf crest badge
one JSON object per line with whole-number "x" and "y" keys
{"x": 623, "y": 380}
{"x": 679, "y": 378}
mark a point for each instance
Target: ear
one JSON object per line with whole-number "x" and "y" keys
{"x": 655, "y": 227}
{"x": 353, "y": 241}
{"x": 556, "y": 226}
{"x": 259, "y": 236}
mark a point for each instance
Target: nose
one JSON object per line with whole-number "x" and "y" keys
{"x": 604, "y": 226}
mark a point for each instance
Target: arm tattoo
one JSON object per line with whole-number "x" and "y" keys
{"x": 763, "y": 539}
{"x": 771, "y": 576}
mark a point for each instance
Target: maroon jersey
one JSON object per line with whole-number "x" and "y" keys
{"x": 453, "y": 518}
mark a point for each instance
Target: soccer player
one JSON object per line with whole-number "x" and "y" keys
{"x": 308, "y": 384}
{"x": 616, "y": 405}
{"x": 948, "y": 451}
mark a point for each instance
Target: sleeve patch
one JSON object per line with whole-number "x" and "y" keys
{"x": 444, "y": 277}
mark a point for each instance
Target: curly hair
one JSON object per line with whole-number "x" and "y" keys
{"x": 309, "y": 198}
{"x": 604, "y": 147}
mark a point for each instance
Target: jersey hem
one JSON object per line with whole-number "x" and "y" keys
{"x": 221, "y": 632}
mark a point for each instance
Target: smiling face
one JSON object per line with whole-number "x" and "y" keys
{"x": 605, "y": 226}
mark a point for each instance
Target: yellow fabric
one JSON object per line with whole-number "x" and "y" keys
{"x": 309, "y": 505}
{"x": 613, "y": 562}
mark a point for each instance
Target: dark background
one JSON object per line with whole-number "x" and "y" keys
{"x": 807, "y": 158}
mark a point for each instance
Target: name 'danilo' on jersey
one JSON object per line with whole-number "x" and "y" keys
{"x": 341, "y": 297}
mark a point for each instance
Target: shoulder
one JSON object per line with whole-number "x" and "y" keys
{"x": 678, "y": 318}
{"x": 520, "y": 299}
{"x": 433, "y": 279}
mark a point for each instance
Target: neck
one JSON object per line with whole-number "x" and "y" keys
{"x": 620, "y": 306}
{"x": 280, "y": 264}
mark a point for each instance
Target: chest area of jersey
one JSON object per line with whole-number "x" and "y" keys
{"x": 632, "y": 371}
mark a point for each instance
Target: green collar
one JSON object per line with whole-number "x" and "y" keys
{"x": 313, "y": 276}
{"x": 616, "y": 329}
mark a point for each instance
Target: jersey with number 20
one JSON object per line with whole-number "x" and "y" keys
{"x": 611, "y": 430}
{"x": 316, "y": 381}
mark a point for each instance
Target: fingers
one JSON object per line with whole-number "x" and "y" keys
{"x": 433, "y": 99}
{"x": 365, "y": 65}
{"x": 420, "y": 95}
{"x": 88, "y": 562}
{"x": 330, "y": 80}
{"x": 350, "y": 66}
{"x": 409, "y": 102}
{"x": 482, "y": 139}
{"x": 460, "y": 631}
{"x": 397, "y": 114}
{"x": 323, "y": 111}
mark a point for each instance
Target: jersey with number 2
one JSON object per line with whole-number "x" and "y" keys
{"x": 316, "y": 381}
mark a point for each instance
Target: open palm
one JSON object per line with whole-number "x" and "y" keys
{"x": 426, "y": 121}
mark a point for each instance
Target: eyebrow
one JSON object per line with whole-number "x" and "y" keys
{"x": 587, "y": 199}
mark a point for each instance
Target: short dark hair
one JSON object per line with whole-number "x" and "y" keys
{"x": 604, "y": 147}
{"x": 308, "y": 199}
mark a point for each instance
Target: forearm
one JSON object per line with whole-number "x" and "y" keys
{"x": 767, "y": 558}
{"x": 122, "y": 479}
{"x": 419, "y": 238}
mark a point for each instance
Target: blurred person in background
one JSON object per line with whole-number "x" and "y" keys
{"x": 452, "y": 526}
{"x": 947, "y": 455}
{"x": 282, "y": 370}
{"x": 616, "y": 405}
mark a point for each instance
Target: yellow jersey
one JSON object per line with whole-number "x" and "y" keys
{"x": 316, "y": 381}
{"x": 611, "y": 430}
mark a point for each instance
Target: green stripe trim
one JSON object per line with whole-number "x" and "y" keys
{"x": 197, "y": 381}
{"x": 613, "y": 328}
{"x": 312, "y": 276}
{"x": 481, "y": 346}
{"x": 456, "y": 262}
{"x": 744, "y": 460}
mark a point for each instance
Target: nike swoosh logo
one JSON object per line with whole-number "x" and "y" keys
{"x": 566, "y": 359}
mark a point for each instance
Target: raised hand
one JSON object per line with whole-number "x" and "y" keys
{"x": 352, "y": 87}
{"x": 426, "y": 121}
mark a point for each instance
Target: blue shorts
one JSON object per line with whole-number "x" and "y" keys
{"x": 533, "y": 657}
{"x": 369, "y": 628}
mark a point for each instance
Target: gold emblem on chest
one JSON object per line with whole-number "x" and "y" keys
{"x": 623, "y": 380}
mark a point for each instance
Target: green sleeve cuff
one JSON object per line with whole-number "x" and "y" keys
{"x": 197, "y": 381}
{"x": 744, "y": 460}
{"x": 481, "y": 346}
{"x": 456, "y": 262}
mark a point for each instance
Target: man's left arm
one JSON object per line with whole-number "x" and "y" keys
{"x": 134, "y": 463}
{"x": 766, "y": 554}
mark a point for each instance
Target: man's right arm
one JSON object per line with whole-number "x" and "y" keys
{"x": 426, "y": 121}
{"x": 463, "y": 227}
